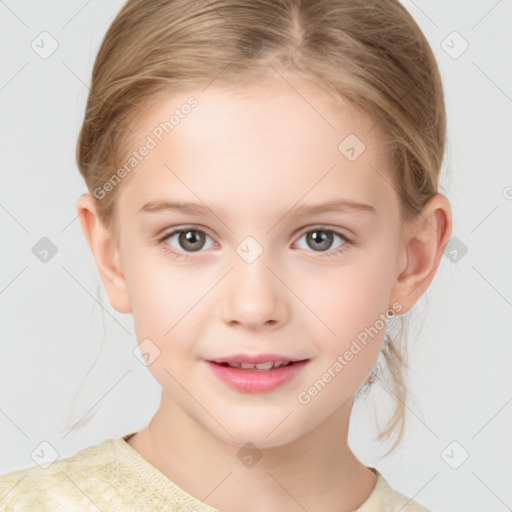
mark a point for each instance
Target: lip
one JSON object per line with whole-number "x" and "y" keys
{"x": 255, "y": 358}
{"x": 257, "y": 381}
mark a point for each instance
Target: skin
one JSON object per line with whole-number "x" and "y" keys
{"x": 252, "y": 157}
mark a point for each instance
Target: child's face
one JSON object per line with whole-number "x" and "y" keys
{"x": 256, "y": 284}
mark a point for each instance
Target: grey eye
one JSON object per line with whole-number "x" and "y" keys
{"x": 320, "y": 239}
{"x": 189, "y": 240}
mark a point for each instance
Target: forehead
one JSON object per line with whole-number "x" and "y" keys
{"x": 258, "y": 145}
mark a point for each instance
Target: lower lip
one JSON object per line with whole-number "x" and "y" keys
{"x": 256, "y": 381}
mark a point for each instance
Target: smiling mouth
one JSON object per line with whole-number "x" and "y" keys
{"x": 258, "y": 377}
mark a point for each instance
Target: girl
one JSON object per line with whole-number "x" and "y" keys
{"x": 263, "y": 199}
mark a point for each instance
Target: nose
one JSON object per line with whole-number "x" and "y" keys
{"x": 254, "y": 296}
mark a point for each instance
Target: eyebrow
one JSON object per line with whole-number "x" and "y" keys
{"x": 340, "y": 205}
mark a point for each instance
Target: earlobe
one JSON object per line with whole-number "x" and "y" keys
{"x": 104, "y": 249}
{"x": 426, "y": 238}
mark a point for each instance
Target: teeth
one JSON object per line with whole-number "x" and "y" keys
{"x": 260, "y": 366}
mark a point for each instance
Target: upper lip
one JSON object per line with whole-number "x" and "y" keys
{"x": 255, "y": 358}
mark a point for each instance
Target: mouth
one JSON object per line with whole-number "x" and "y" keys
{"x": 261, "y": 376}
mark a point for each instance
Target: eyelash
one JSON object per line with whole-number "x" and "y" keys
{"x": 323, "y": 254}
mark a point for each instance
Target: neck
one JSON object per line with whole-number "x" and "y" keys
{"x": 317, "y": 471}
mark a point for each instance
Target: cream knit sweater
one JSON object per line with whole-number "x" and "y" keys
{"x": 112, "y": 476}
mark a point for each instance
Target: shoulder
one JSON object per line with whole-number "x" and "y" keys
{"x": 386, "y": 499}
{"x": 108, "y": 476}
{"x": 72, "y": 482}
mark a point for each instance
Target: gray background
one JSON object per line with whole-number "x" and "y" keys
{"x": 52, "y": 323}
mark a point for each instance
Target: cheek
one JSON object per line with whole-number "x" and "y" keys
{"x": 157, "y": 296}
{"x": 172, "y": 307}
{"x": 165, "y": 309}
{"x": 351, "y": 305}
{"x": 350, "y": 298}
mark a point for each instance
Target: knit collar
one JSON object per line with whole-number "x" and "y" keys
{"x": 161, "y": 484}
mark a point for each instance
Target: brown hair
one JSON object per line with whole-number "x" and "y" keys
{"x": 370, "y": 53}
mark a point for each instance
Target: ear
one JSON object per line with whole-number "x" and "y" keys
{"x": 105, "y": 250}
{"x": 424, "y": 241}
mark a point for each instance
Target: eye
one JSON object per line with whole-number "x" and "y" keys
{"x": 320, "y": 239}
{"x": 187, "y": 240}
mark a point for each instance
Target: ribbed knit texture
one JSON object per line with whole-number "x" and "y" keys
{"x": 112, "y": 476}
